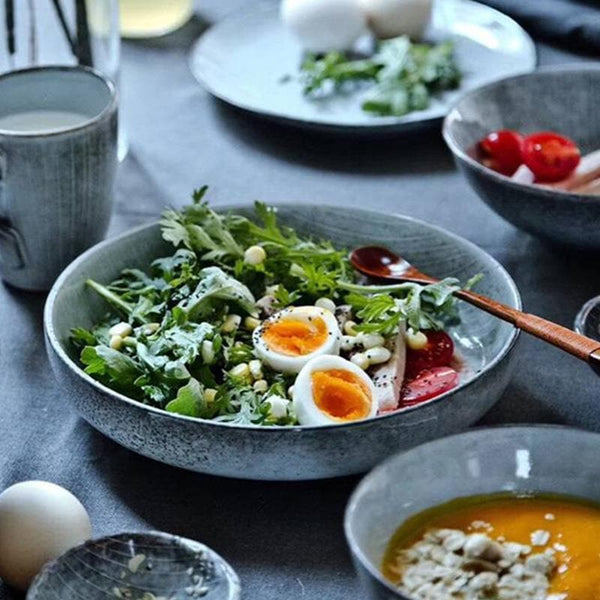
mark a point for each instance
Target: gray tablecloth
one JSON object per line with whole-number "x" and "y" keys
{"x": 285, "y": 540}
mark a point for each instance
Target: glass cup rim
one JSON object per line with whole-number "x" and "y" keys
{"x": 108, "y": 110}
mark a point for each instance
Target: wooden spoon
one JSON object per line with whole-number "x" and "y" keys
{"x": 382, "y": 263}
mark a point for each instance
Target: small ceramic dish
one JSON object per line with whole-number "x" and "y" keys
{"x": 296, "y": 452}
{"x": 563, "y": 99}
{"x": 137, "y": 566}
{"x": 483, "y": 461}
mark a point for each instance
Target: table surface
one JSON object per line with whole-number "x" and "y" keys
{"x": 285, "y": 540}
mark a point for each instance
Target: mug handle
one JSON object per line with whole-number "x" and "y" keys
{"x": 12, "y": 249}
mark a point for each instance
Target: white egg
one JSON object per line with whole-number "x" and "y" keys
{"x": 290, "y": 338}
{"x": 324, "y": 25}
{"x": 39, "y": 521}
{"x": 330, "y": 390}
{"x": 391, "y": 18}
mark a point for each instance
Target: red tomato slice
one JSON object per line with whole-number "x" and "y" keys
{"x": 502, "y": 151}
{"x": 550, "y": 156}
{"x": 427, "y": 385}
{"x": 437, "y": 353}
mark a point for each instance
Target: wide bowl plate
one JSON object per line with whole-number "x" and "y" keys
{"x": 515, "y": 459}
{"x": 297, "y": 452}
{"x": 243, "y": 59}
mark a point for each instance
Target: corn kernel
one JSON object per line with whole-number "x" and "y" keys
{"x": 326, "y": 303}
{"x": 255, "y": 255}
{"x": 116, "y": 341}
{"x": 416, "y": 341}
{"x": 121, "y": 329}
{"x": 232, "y": 322}
{"x": 251, "y": 323}
{"x": 209, "y": 394}
{"x": 349, "y": 328}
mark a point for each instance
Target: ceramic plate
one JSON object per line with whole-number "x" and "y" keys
{"x": 287, "y": 453}
{"x": 137, "y": 566}
{"x": 245, "y": 58}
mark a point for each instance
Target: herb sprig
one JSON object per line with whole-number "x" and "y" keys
{"x": 405, "y": 75}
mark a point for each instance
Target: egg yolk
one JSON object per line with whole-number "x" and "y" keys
{"x": 296, "y": 338}
{"x": 341, "y": 394}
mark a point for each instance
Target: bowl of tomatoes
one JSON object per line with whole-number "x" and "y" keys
{"x": 529, "y": 146}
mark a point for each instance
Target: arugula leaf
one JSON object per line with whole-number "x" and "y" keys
{"x": 111, "y": 366}
{"x": 383, "y": 307}
{"x": 189, "y": 400}
{"x": 81, "y": 337}
{"x": 216, "y": 285}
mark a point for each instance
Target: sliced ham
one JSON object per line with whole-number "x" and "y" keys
{"x": 388, "y": 377}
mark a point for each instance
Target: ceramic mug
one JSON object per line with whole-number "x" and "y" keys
{"x": 58, "y": 159}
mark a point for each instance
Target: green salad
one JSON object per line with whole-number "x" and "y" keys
{"x": 404, "y": 75}
{"x": 225, "y": 326}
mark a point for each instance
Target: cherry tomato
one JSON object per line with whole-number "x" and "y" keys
{"x": 437, "y": 353}
{"x": 428, "y": 384}
{"x": 502, "y": 151}
{"x": 550, "y": 156}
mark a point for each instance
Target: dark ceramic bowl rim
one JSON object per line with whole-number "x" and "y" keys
{"x": 473, "y": 431}
{"x": 108, "y": 110}
{"x": 458, "y": 151}
{"x": 75, "y": 368}
{"x": 375, "y": 128}
{"x": 230, "y": 572}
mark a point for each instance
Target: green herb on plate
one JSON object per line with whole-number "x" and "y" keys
{"x": 404, "y": 75}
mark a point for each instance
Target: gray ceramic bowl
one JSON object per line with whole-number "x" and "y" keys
{"x": 298, "y": 452}
{"x": 483, "y": 461}
{"x": 565, "y": 100}
{"x": 138, "y": 566}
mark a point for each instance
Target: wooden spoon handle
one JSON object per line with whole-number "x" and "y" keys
{"x": 578, "y": 345}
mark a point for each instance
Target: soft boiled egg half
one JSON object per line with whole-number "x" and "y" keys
{"x": 290, "y": 338}
{"x": 331, "y": 390}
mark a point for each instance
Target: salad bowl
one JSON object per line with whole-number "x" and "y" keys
{"x": 291, "y": 452}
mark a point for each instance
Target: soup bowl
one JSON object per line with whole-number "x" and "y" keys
{"x": 515, "y": 459}
{"x": 288, "y": 453}
{"x": 561, "y": 99}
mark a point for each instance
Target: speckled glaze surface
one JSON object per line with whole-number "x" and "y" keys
{"x": 251, "y": 61}
{"x": 484, "y": 461}
{"x": 296, "y": 452}
{"x": 138, "y": 566}
{"x": 56, "y": 187}
{"x": 563, "y": 99}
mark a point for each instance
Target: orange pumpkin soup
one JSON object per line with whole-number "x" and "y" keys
{"x": 565, "y": 528}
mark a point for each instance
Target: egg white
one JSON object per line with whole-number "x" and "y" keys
{"x": 324, "y": 25}
{"x": 293, "y": 364}
{"x": 307, "y": 412}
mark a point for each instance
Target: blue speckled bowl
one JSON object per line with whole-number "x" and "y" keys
{"x": 483, "y": 461}
{"x": 563, "y": 99}
{"x": 297, "y": 452}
